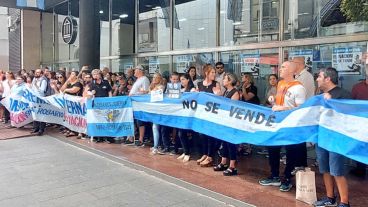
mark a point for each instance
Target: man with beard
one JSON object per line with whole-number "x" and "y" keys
{"x": 39, "y": 86}
{"x": 331, "y": 164}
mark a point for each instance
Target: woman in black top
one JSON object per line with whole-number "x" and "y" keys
{"x": 72, "y": 87}
{"x": 229, "y": 149}
{"x": 209, "y": 144}
{"x": 249, "y": 90}
{"x": 187, "y": 86}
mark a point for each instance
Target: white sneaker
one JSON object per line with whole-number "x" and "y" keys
{"x": 154, "y": 151}
{"x": 181, "y": 156}
{"x": 186, "y": 158}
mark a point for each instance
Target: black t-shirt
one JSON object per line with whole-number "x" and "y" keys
{"x": 255, "y": 99}
{"x": 208, "y": 89}
{"x": 76, "y": 84}
{"x": 102, "y": 89}
{"x": 339, "y": 93}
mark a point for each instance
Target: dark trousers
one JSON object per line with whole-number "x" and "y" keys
{"x": 209, "y": 145}
{"x": 183, "y": 136}
{"x": 274, "y": 160}
{"x": 301, "y": 156}
{"x": 6, "y": 115}
{"x": 229, "y": 150}
{"x": 165, "y": 136}
{"x": 39, "y": 126}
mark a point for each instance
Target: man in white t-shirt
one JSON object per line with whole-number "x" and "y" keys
{"x": 306, "y": 78}
{"x": 140, "y": 87}
{"x": 290, "y": 94}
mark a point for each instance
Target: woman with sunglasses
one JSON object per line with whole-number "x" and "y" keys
{"x": 58, "y": 82}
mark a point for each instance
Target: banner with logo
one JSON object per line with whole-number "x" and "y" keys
{"x": 112, "y": 117}
{"x": 335, "y": 125}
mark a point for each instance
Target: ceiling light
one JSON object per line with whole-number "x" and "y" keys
{"x": 201, "y": 28}
{"x": 237, "y": 23}
{"x": 101, "y": 12}
{"x": 182, "y": 20}
{"x": 122, "y": 16}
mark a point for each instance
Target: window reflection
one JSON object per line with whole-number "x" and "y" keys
{"x": 194, "y": 24}
{"x": 249, "y": 21}
{"x": 154, "y": 26}
{"x": 304, "y": 19}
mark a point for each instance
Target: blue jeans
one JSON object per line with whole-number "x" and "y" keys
{"x": 330, "y": 162}
{"x": 156, "y": 135}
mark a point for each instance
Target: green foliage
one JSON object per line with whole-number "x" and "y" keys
{"x": 355, "y": 10}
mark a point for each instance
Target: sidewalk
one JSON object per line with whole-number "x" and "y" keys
{"x": 243, "y": 187}
{"x": 8, "y": 132}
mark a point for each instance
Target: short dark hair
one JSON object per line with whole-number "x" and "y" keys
{"x": 219, "y": 63}
{"x": 331, "y": 73}
{"x": 174, "y": 74}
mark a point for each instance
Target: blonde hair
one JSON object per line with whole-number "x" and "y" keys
{"x": 250, "y": 77}
{"x": 153, "y": 85}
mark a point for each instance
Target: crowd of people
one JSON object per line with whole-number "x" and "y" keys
{"x": 293, "y": 88}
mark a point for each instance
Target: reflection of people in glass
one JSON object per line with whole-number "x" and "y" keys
{"x": 355, "y": 67}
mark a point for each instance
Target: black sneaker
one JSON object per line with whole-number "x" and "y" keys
{"x": 139, "y": 144}
{"x": 286, "y": 185}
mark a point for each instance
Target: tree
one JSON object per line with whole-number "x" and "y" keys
{"x": 355, "y": 10}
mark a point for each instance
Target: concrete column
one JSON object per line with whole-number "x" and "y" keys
{"x": 89, "y": 33}
{"x": 30, "y": 40}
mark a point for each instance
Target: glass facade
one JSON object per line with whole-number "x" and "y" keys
{"x": 194, "y": 28}
{"x": 171, "y": 35}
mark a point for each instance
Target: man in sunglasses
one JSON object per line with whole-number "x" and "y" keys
{"x": 220, "y": 73}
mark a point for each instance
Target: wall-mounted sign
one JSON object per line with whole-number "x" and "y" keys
{"x": 69, "y": 30}
{"x": 250, "y": 63}
{"x": 347, "y": 60}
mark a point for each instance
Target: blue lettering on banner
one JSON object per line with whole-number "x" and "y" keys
{"x": 60, "y": 101}
{"x": 16, "y": 105}
{"x": 50, "y": 112}
{"x": 32, "y": 98}
{"x": 75, "y": 108}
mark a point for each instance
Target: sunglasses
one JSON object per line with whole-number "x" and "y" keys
{"x": 59, "y": 76}
{"x": 219, "y": 67}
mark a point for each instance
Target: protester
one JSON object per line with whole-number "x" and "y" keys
{"x": 290, "y": 94}
{"x": 360, "y": 92}
{"x": 19, "y": 86}
{"x": 306, "y": 79}
{"x": 209, "y": 144}
{"x": 99, "y": 88}
{"x": 192, "y": 72}
{"x": 165, "y": 130}
{"x": 229, "y": 149}
{"x": 141, "y": 86}
{"x": 39, "y": 86}
{"x": 156, "y": 85}
{"x": 249, "y": 90}
{"x": 271, "y": 90}
{"x": 7, "y": 85}
{"x": 331, "y": 164}
{"x": 220, "y": 73}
